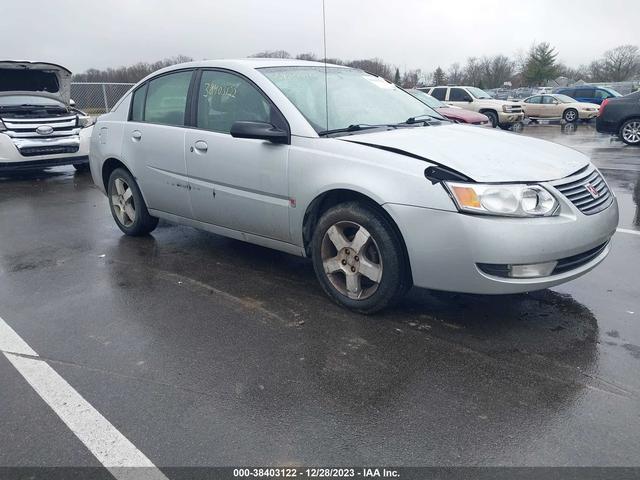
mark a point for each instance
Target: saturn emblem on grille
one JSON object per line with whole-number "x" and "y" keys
{"x": 44, "y": 130}
{"x": 592, "y": 190}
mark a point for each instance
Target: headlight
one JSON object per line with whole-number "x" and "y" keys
{"x": 503, "y": 200}
{"x": 85, "y": 121}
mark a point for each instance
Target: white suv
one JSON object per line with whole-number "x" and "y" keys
{"x": 501, "y": 113}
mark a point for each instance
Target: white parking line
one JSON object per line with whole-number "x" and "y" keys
{"x": 104, "y": 441}
{"x": 626, "y": 230}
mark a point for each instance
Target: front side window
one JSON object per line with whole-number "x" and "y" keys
{"x": 167, "y": 99}
{"x": 224, "y": 98}
{"x": 458, "y": 95}
{"x": 548, "y": 100}
{"x": 478, "y": 93}
{"x": 439, "y": 93}
{"x": 536, "y": 100}
{"x": 585, "y": 92}
{"x": 355, "y": 97}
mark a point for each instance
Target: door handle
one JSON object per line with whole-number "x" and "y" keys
{"x": 136, "y": 135}
{"x": 201, "y": 146}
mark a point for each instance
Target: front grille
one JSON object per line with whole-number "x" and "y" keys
{"x": 575, "y": 189}
{"x": 27, "y": 127}
{"x": 48, "y": 150}
{"x": 575, "y": 261}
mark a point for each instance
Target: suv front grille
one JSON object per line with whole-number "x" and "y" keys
{"x": 578, "y": 189}
{"x": 61, "y": 126}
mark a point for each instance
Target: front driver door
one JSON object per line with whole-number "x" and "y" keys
{"x": 237, "y": 183}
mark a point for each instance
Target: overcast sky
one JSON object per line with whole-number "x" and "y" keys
{"x": 408, "y": 34}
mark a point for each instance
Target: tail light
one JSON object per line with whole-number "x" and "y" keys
{"x": 602, "y": 105}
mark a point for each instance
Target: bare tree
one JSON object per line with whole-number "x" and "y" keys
{"x": 307, "y": 56}
{"x": 621, "y": 63}
{"x": 473, "y": 72}
{"x": 271, "y": 54}
{"x": 375, "y": 66}
{"x": 128, "y": 74}
{"x": 455, "y": 75}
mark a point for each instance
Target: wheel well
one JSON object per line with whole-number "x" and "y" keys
{"x": 329, "y": 199}
{"x": 625, "y": 120}
{"x": 485, "y": 110}
{"x": 108, "y": 167}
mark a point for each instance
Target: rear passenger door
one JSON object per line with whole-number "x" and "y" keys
{"x": 154, "y": 142}
{"x": 238, "y": 183}
{"x": 440, "y": 93}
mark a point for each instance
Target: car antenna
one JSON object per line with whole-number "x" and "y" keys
{"x": 326, "y": 85}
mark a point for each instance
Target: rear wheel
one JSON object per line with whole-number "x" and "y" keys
{"x": 570, "y": 115}
{"x": 127, "y": 205}
{"x": 358, "y": 258}
{"x": 630, "y": 132}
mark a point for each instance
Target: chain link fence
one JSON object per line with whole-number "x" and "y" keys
{"x": 96, "y": 98}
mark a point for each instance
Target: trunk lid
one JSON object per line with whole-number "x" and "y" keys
{"x": 35, "y": 78}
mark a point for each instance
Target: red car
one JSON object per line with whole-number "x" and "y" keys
{"x": 455, "y": 114}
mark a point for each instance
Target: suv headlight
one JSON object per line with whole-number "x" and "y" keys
{"x": 85, "y": 121}
{"x": 510, "y": 200}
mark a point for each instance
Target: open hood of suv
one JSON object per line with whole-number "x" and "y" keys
{"x": 482, "y": 154}
{"x": 39, "y": 78}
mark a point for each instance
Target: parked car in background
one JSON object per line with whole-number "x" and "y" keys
{"x": 588, "y": 93}
{"x": 621, "y": 116}
{"x": 558, "y": 106}
{"x": 368, "y": 181}
{"x": 456, "y": 114}
{"x": 500, "y": 113}
{"x": 39, "y": 127}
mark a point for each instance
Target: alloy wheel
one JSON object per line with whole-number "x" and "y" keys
{"x": 351, "y": 260}
{"x": 631, "y": 132}
{"x": 570, "y": 116}
{"x": 123, "y": 204}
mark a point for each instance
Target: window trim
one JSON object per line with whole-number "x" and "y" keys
{"x": 194, "y": 101}
{"x": 144, "y": 107}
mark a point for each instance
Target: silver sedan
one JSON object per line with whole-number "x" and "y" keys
{"x": 342, "y": 166}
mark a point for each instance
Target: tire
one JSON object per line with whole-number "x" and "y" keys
{"x": 492, "y": 116}
{"x": 629, "y": 132}
{"x": 125, "y": 205}
{"x": 570, "y": 115}
{"x": 505, "y": 126}
{"x": 81, "y": 167}
{"x": 351, "y": 239}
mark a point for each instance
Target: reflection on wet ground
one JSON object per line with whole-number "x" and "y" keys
{"x": 230, "y": 352}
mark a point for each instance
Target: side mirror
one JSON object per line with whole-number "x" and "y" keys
{"x": 469, "y": 99}
{"x": 259, "y": 131}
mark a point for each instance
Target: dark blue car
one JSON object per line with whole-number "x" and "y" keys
{"x": 588, "y": 93}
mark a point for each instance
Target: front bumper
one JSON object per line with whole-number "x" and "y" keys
{"x": 510, "y": 118}
{"x": 446, "y": 247}
{"x": 584, "y": 115}
{"x": 13, "y": 158}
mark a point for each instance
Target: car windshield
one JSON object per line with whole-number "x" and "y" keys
{"x": 564, "y": 98}
{"x": 613, "y": 92}
{"x": 354, "y": 97}
{"x": 426, "y": 98}
{"x": 478, "y": 93}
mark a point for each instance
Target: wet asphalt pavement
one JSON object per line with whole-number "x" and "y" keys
{"x": 208, "y": 351}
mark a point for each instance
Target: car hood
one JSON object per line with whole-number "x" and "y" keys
{"x": 482, "y": 154}
{"x": 29, "y": 78}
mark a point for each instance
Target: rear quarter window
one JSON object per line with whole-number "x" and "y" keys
{"x": 137, "y": 104}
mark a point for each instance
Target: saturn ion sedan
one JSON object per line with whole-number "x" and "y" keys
{"x": 342, "y": 166}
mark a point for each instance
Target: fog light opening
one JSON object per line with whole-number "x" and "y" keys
{"x": 532, "y": 270}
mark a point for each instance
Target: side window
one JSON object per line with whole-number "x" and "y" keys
{"x": 585, "y": 93}
{"x": 224, "y": 98}
{"x": 548, "y": 99}
{"x": 602, "y": 94}
{"x": 439, "y": 93}
{"x": 537, "y": 99}
{"x": 137, "y": 104}
{"x": 167, "y": 99}
{"x": 569, "y": 93}
{"x": 458, "y": 95}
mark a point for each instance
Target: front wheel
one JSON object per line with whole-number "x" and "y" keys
{"x": 493, "y": 118}
{"x": 630, "y": 132}
{"x": 358, "y": 258}
{"x": 127, "y": 205}
{"x": 570, "y": 115}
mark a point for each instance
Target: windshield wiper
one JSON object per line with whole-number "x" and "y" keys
{"x": 415, "y": 119}
{"x": 352, "y": 128}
